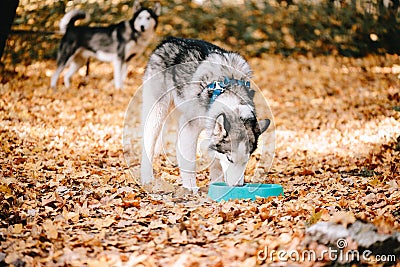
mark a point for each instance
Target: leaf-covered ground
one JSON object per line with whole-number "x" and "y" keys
{"x": 67, "y": 198}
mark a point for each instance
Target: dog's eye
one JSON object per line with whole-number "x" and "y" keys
{"x": 228, "y": 157}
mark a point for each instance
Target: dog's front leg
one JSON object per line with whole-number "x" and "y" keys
{"x": 124, "y": 72}
{"x": 186, "y": 152}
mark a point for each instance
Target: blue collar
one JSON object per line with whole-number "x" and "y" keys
{"x": 218, "y": 87}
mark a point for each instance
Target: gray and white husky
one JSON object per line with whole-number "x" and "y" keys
{"x": 211, "y": 88}
{"x": 117, "y": 43}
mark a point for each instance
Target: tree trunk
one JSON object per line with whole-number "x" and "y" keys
{"x": 8, "y": 9}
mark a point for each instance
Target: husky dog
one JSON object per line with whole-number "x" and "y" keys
{"x": 117, "y": 43}
{"x": 210, "y": 87}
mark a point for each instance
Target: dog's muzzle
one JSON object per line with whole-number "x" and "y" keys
{"x": 142, "y": 28}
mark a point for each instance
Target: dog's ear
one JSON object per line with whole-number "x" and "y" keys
{"x": 264, "y": 124}
{"x": 222, "y": 126}
{"x": 136, "y": 6}
{"x": 157, "y": 9}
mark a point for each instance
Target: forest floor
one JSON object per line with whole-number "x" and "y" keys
{"x": 67, "y": 197}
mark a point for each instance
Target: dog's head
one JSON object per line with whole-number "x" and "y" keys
{"x": 145, "y": 19}
{"x": 234, "y": 139}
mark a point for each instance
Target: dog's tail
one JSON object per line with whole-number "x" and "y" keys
{"x": 69, "y": 19}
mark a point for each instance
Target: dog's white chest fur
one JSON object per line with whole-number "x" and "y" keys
{"x": 137, "y": 47}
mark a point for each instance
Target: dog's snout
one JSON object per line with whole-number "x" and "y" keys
{"x": 142, "y": 28}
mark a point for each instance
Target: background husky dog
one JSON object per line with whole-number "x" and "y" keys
{"x": 117, "y": 43}
{"x": 211, "y": 89}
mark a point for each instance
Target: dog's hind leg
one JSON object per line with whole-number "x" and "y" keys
{"x": 76, "y": 62}
{"x": 65, "y": 54}
{"x": 154, "y": 112}
{"x": 186, "y": 146}
{"x": 56, "y": 74}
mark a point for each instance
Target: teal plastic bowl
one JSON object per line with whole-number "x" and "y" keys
{"x": 221, "y": 191}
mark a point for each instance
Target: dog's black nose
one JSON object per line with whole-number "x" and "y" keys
{"x": 142, "y": 28}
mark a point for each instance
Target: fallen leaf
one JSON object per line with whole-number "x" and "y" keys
{"x": 50, "y": 229}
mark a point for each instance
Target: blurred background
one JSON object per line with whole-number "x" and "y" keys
{"x": 351, "y": 28}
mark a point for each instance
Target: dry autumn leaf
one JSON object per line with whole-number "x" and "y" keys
{"x": 50, "y": 229}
